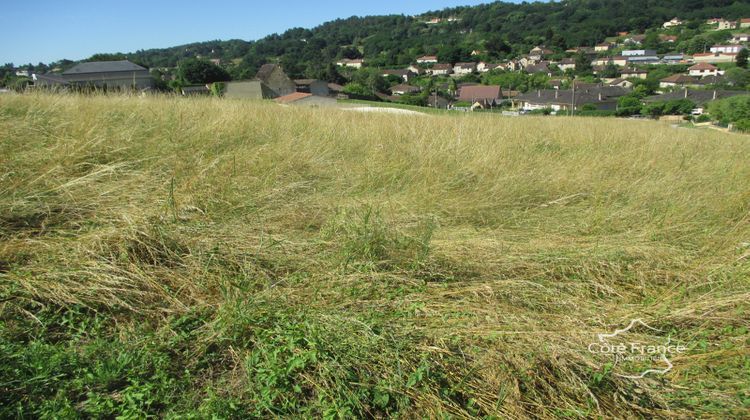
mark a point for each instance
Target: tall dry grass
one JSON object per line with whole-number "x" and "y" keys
{"x": 458, "y": 265}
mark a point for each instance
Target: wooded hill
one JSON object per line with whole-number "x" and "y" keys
{"x": 501, "y": 30}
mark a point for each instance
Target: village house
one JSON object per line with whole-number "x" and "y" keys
{"x": 312, "y": 86}
{"x": 676, "y": 80}
{"x": 623, "y": 83}
{"x": 525, "y": 61}
{"x": 481, "y": 96}
{"x": 603, "y": 98}
{"x": 604, "y": 47}
{"x": 643, "y": 59}
{"x": 715, "y": 58}
{"x": 676, "y": 58}
{"x": 638, "y": 53}
{"x": 513, "y": 65}
{"x": 703, "y": 70}
{"x": 672, "y": 23}
{"x": 275, "y": 78}
{"x": 634, "y": 40}
{"x": 248, "y": 89}
{"x": 620, "y": 61}
{"x": 416, "y": 69}
{"x": 567, "y": 64}
{"x": 744, "y": 23}
{"x": 542, "y": 67}
{"x": 353, "y": 63}
{"x": 538, "y": 53}
{"x": 723, "y": 25}
{"x": 483, "y": 67}
{"x": 729, "y": 49}
{"x": 440, "y": 70}
{"x": 108, "y": 75}
{"x": 404, "y": 74}
{"x": 634, "y": 73}
{"x": 427, "y": 59}
{"x": 462, "y": 69}
{"x": 738, "y": 38}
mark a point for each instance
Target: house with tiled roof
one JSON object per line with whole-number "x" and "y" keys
{"x": 542, "y": 67}
{"x": 440, "y": 69}
{"x": 462, "y": 69}
{"x": 678, "y": 80}
{"x": 601, "y": 97}
{"x": 703, "y": 70}
{"x": 484, "y": 96}
{"x": 567, "y": 64}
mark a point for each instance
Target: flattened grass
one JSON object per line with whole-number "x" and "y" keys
{"x": 173, "y": 257}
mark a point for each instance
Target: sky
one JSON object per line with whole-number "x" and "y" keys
{"x": 50, "y": 30}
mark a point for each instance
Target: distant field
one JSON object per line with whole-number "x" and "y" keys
{"x": 198, "y": 258}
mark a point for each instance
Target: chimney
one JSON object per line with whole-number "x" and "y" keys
{"x": 556, "y": 93}
{"x": 600, "y": 96}
{"x": 539, "y": 93}
{"x": 686, "y": 93}
{"x": 714, "y": 95}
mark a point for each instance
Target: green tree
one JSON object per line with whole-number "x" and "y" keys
{"x": 734, "y": 110}
{"x": 496, "y": 46}
{"x": 742, "y": 58}
{"x": 737, "y": 77}
{"x": 628, "y": 105}
{"x": 195, "y": 71}
{"x": 583, "y": 64}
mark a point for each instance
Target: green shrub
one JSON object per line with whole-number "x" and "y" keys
{"x": 734, "y": 110}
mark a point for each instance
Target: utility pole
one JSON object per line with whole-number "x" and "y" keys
{"x": 573, "y": 100}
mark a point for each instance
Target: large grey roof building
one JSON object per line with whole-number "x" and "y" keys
{"x": 118, "y": 75}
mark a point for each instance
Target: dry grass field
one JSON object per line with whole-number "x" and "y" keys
{"x": 204, "y": 258}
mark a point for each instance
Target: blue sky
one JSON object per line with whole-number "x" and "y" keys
{"x": 45, "y": 30}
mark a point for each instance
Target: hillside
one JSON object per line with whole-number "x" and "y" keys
{"x": 506, "y": 29}
{"x": 203, "y": 257}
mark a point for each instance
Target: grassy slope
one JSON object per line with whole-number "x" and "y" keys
{"x": 176, "y": 257}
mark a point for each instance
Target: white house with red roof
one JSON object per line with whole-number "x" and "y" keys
{"x": 703, "y": 70}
